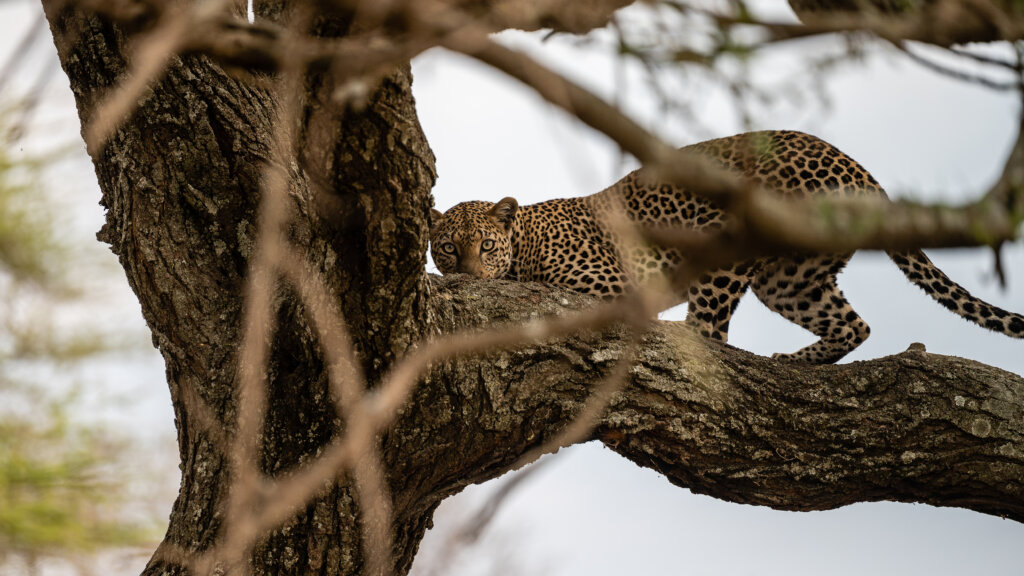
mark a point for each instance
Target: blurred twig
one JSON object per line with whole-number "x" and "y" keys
{"x": 17, "y": 56}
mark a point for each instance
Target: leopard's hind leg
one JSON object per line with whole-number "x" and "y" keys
{"x": 804, "y": 291}
{"x": 714, "y": 297}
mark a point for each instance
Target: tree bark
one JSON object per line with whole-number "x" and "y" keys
{"x": 181, "y": 184}
{"x": 941, "y": 22}
{"x": 914, "y": 427}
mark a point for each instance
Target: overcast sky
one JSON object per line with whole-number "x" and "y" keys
{"x": 591, "y": 512}
{"x": 923, "y": 136}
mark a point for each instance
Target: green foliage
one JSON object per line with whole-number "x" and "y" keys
{"x": 34, "y": 260}
{"x": 27, "y": 241}
{"x": 56, "y": 494}
{"x": 64, "y": 482}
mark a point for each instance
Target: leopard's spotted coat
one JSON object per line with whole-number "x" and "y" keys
{"x": 563, "y": 242}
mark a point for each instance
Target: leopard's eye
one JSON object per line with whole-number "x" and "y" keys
{"x": 487, "y": 245}
{"x": 448, "y": 248}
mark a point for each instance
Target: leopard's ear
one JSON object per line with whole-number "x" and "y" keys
{"x": 504, "y": 211}
{"x": 435, "y": 219}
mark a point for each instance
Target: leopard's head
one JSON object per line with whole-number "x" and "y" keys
{"x": 474, "y": 238}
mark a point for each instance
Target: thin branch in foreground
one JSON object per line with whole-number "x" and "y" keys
{"x": 245, "y": 522}
{"x": 17, "y": 56}
{"x": 258, "y": 325}
{"x": 644, "y": 302}
{"x": 983, "y": 59}
{"x": 169, "y": 553}
{"x": 378, "y": 408}
{"x": 348, "y": 384}
{"x": 954, "y": 74}
{"x": 814, "y": 224}
{"x": 581, "y": 426}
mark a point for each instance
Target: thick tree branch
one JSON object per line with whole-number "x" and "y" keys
{"x": 914, "y": 427}
{"x": 943, "y": 22}
{"x": 575, "y": 17}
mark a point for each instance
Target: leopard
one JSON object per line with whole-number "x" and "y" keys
{"x": 567, "y": 242}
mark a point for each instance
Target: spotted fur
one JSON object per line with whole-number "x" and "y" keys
{"x": 563, "y": 242}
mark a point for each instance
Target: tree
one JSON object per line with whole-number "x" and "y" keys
{"x": 267, "y": 194}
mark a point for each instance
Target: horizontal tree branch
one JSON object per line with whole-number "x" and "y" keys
{"x": 913, "y": 427}
{"x": 941, "y": 22}
{"x": 575, "y": 16}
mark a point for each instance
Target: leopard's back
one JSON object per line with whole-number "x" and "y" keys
{"x": 789, "y": 163}
{"x": 576, "y": 243}
{"x": 563, "y": 242}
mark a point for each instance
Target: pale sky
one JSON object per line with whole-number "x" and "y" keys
{"x": 591, "y": 512}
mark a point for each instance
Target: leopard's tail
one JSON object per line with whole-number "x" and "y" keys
{"x": 921, "y": 271}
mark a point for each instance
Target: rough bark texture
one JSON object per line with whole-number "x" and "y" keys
{"x": 180, "y": 183}
{"x": 914, "y": 427}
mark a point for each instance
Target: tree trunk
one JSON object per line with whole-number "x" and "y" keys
{"x": 181, "y": 184}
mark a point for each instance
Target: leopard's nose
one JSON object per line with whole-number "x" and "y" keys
{"x": 470, "y": 266}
